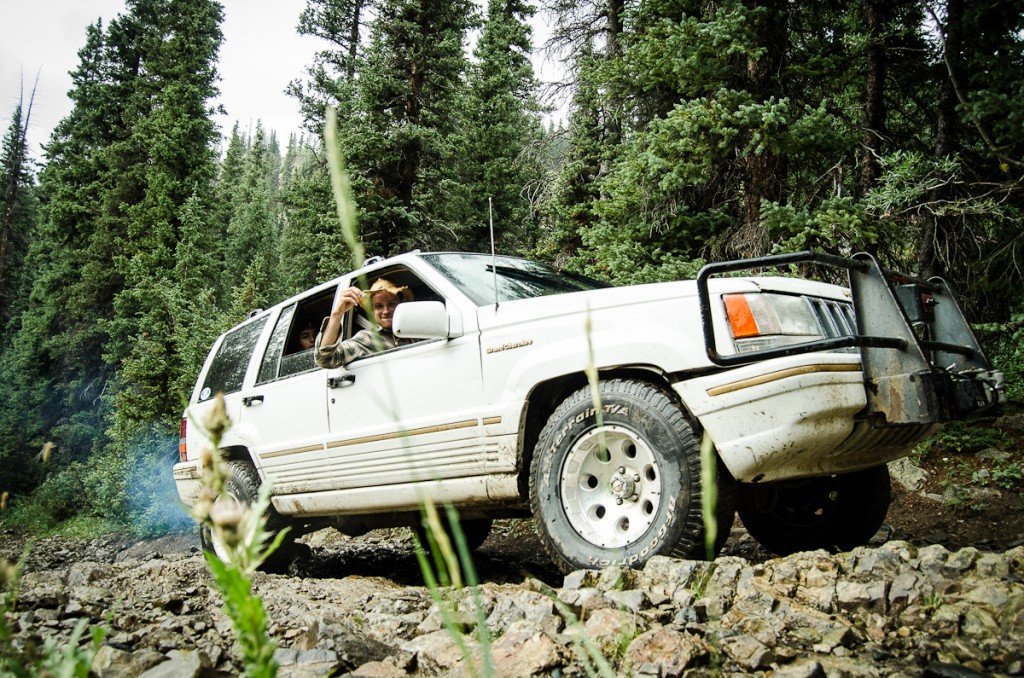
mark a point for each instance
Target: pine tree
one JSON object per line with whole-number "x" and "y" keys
{"x": 53, "y": 367}
{"x": 94, "y": 351}
{"x": 254, "y": 235}
{"x": 330, "y": 78}
{"x": 403, "y": 146}
{"x": 569, "y": 205}
{"x": 503, "y": 134}
{"x": 17, "y": 211}
{"x": 313, "y": 247}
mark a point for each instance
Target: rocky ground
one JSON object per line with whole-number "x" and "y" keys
{"x": 938, "y": 592}
{"x": 357, "y": 605}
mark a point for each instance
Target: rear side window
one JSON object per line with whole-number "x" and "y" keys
{"x": 268, "y": 370}
{"x": 227, "y": 371}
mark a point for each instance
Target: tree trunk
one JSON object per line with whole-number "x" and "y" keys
{"x": 613, "y": 51}
{"x": 935, "y": 234}
{"x": 874, "y": 96}
{"x": 353, "y": 38}
{"x": 764, "y": 174}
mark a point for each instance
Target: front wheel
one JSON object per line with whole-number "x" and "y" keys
{"x": 835, "y": 513}
{"x": 624, "y": 489}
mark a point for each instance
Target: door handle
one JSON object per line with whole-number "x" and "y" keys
{"x": 346, "y": 379}
{"x": 249, "y": 400}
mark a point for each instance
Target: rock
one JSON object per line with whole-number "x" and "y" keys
{"x": 840, "y": 637}
{"x": 664, "y": 652}
{"x": 1012, "y": 422}
{"x": 960, "y": 561}
{"x": 612, "y": 629}
{"x": 85, "y": 573}
{"x": 310, "y": 664}
{"x": 180, "y": 664}
{"x": 908, "y": 474}
{"x": 582, "y": 602}
{"x": 663, "y": 576}
{"x": 523, "y": 651}
{"x": 617, "y": 578}
{"x": 865, "y": 596}
{"x": 748, "y": 652}
{"x": 633, "y": 601}
{"x": 351, "y": 646}
{"x": 42, "y": 589}
{"x": 86, "y": 601}
{"x": 904, "y": 590}
{"x": 804, "y": 668}
{"x": 378, "y": 670}
{"x": 949, "y": 670}
{"x": 435, "y": 652}
{"x": 579, "y": 579}
{"x": 979, "y": 622}
{"x": 111, "y": 662}
{"x": 874, "y": 611}
{"x": 931, "y": 559}
{"x": 533, "y": 607}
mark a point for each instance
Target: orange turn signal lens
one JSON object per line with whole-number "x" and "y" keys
{"x": 741, "y": 319}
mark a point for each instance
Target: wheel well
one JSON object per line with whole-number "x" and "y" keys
{"x": 547, "y": 395}
{"x": 236, "y": 452}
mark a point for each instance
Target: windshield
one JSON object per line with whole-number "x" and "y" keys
{"x": 475, "y": 274}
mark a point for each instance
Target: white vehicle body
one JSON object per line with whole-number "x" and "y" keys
{"x": 454, "y": 417}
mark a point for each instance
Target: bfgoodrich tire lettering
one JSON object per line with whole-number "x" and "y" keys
{"x": 626, "y": 490}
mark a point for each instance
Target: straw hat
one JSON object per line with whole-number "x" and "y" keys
{"x": 384, "y": 285}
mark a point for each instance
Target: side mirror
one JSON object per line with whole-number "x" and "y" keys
{"x": 423, "y": 320}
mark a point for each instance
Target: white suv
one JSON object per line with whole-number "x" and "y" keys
{"x": 805, "y": 389}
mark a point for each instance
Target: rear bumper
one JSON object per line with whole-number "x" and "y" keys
{"x": 186, "y": 479}
{"x": 794, "y": 417}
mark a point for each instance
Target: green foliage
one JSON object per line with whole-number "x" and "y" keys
{"x": 248, "y": 616}
{"x": 962, "y": 437}
{"x": 501, "y": 161}
{"x": 1004, "y": 345}
{"x": 18, "y": 206}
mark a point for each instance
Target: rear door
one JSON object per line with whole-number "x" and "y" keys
{"x": 284, "y": 412}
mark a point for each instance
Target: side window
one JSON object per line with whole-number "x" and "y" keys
{"x": 227, "y": 371}
{"x": 290, "y": 349}
{"x": 413, "y": 288}
{"x": 272, "y": 358}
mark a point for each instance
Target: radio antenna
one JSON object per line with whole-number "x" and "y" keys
{"x": 494, "y": 258}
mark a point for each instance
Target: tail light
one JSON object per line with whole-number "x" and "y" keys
{"x": 763, "y": 320}
{"x": 182, "y": 448}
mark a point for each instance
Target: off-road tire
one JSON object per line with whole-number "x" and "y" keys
{"x": 647, "y": 455}
{"x": 835, "y": 513}
{"x": 243, "y": 483}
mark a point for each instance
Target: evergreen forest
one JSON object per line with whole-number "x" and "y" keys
{"x": 694, "y": 132}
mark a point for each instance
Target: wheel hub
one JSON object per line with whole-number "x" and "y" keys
{"x": 611, "y": 486}
{"x": 623, "y": 487}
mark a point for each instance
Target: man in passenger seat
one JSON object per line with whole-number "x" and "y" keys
{"x": 385, "y": 296}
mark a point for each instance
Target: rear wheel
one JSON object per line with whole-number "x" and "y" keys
{"x": 625, "y": 489}
{"x": 242, "y": 486}
{"x": 836, "y": 513}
